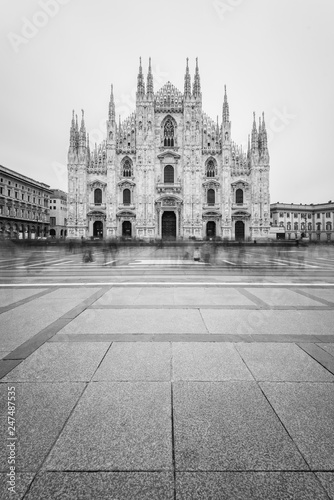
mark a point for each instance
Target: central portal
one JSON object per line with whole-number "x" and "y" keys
{"x": 168, "y": 226}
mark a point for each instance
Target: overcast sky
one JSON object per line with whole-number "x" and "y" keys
{"x": 274, "y": 56}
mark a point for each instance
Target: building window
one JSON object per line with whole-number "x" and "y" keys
{"x": 211, "y": 196}
{"x": 328, "y": 214}
{"x": 126, "y": 197}
{"x": 288, "y": 215}
{"x": 127, "y": 169}
{"x": 239, "y": 196}
{"x": 169, "y": 174}
{"x": 309, "y": 226}
{"x": 288, "y": 226}
{"x": 52, "y": 221}
{"x": 318, "y": 216}
{"x": 319, "y": 226}
{"x": 8, "y": 192}
{"x": 98, "y": 196}
{"x": 1, "y": 190}
{"x": 328, "y": 226}
{"x": 295, "y": 226}
{"x": 281, "y": 214}
{"x": 169, "y": 133}
{"x": 295, "y": 216}
{"x": 210, "y": 169}
{"x": 309, "y": 216}
{"x": 281, "y": 224}
{"x": 302, "y": 226}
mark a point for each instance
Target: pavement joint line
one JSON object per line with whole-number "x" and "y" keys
{"x": 171, "y": 283}
{"x": 173, "y": 439}
{"x": 31, "y": 345}
{"x": 260, "y": 303}
{"x": 9, "y": 307}
{"x": 324, "y": 358}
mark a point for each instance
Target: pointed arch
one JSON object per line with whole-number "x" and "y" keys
{"x": 169, "y": 127}
{"x": 211, "y": 167}
{"x": 126, "y": 167}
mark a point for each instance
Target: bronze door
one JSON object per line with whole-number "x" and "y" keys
{"x": 168, "y": 226}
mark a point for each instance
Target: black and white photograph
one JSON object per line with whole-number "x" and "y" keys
{"x": 167, "y": 250}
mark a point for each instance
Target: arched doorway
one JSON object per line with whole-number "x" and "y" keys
{"x": 168, "y": 225}
{"x": 211, "y": 229}
{"x": 126, "y": 229}
{"x": 98, "y": 229}
{"x": 239, "y": 230}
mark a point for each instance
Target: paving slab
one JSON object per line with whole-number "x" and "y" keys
{"x": 210, "y": 296}
{"x": 327, "y": 480}
{"x": 60, "y": 362}
{"x": 282, "y": 297}
{"x": 208, "y": 361}
{"x": 25, "y": 321}
{"x": 11, "y": 295}
{"x": 269, "y": 322}
{"x": 322, "y": 293}
{"x": 136, "y": 321}
{"x": 119, "y": 296}
{"x": 327, "y": 347}
{"x": 136, "y": 361}
{"x": 22, "y": 482}
{"x": 103, "y": 486}
{"x": 282, "y": 362}
{"x": 307, "y": 411}
{"x": 41, "y": 411}
{"x": 155, "y": 296}
{"x": 225, "y": 426}
{"x": 117, "y": 426}
{"x": 248, "y": 485}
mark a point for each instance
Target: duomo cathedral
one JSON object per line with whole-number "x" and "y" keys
{"x": 168, "y": 171}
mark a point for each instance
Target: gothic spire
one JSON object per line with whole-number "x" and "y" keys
{"x": 82, "y": 127}
{"x": 82, "y": 133}
{"x": 226, "y": 110}
{"x": 264, "y": 135}
{"x": 187, "y": 82}
{"x": 72, "y": 132}
{"x": 254, "y": 135}
{"x": 149, "y": 86}
{"x": 111, "y": 104}
{"x": 140, "y": 81}
{"x": 197, "y": 82}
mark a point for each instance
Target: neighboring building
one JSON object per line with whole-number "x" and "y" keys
{"x": 168, "y": 171}
{"x": 58, "y": 213}
{"x": 24, "y": 206}
{"x": 315, "y": 221}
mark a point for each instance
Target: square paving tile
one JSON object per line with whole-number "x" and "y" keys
{"x": 208, "y": 361}
{"x": 282, "y": 362}
{"x": 307, "y": 411}
{"x": 22, "y": 482}
{"x": 41, "y": 411}
{"x": 282, "y": 297}
{"x": 229, "y": 426}
{"x": 269, "y": 322}
{"x": 136, "y": 321}
{"x": 60, "y": 362}
{"x": 103, "y": 486}
{"x": 117, "y": 426}
{"x": 136, "y": 361}
{"x": 248, "y": 486}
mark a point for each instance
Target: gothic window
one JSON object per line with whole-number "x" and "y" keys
{"x": 210, "y": 169}
{"x": 97, "y": 196}
{"x": 211, "y": 196}
{"x": 126, "y": 197}
{"x": 169, "y": 134}
{"x": 127, "y": 170}
{"x": 239, "y": 196}
{"x": 169, "y": 174}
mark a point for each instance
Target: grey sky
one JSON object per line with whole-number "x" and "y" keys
{"x": 274, "y": 56}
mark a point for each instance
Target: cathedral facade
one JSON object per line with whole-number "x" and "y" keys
{"x": 168, "y": 171}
